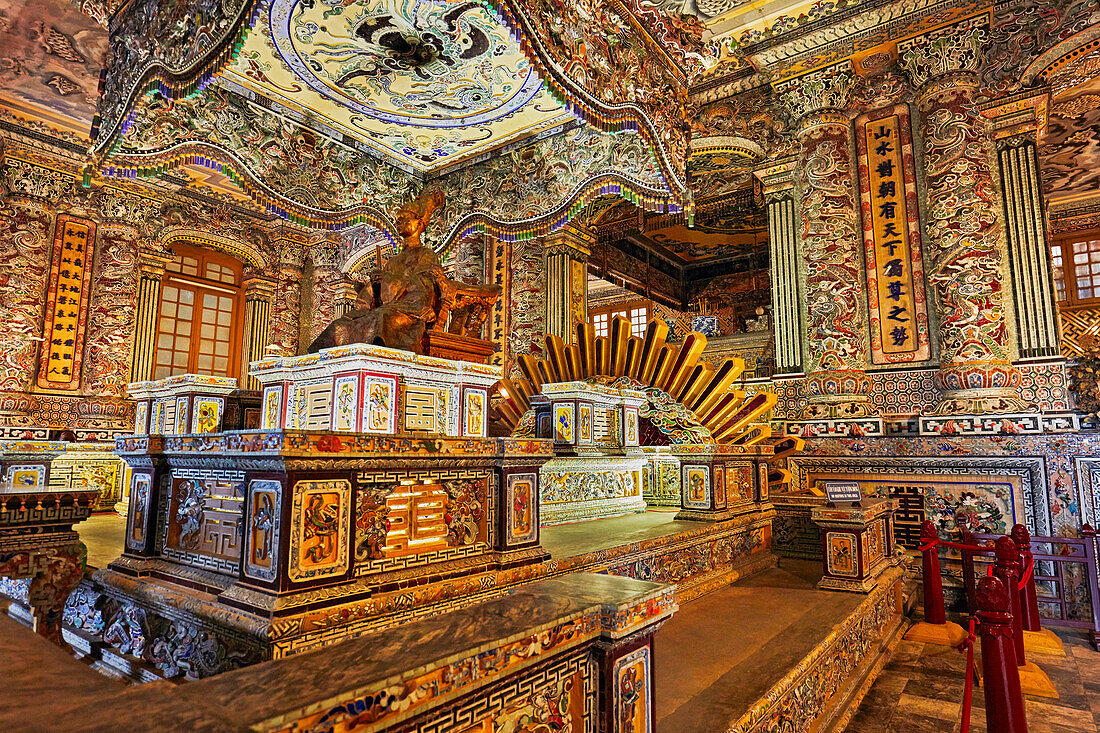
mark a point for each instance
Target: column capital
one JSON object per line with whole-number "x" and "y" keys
{"x": 779, "y": 178}
{"x": 953, "y": 50}
{"x": 327, "y": 253}
{"x": 1018, "y": 118}
{"x": 153, "y": 263}
{"x": 822, "y": 91}
{"x": 259, "y": 286}
{"x": 572, "y": 240}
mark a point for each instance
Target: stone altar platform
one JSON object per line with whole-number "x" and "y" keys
{"x": 570, "y": 651}
{"x": 699, "y": 557}
{"x": 264, "y": 544}
{"x": 774, "y": 653}
{"x": 766, "y": 652}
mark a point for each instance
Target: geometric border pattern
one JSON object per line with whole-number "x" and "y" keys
{"x": 1030, "y": 470}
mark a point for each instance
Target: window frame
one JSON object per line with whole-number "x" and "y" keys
{"x": 202, "y": 286}
{"x": 1064, "y": 243}
{"x": 624, "y": 308}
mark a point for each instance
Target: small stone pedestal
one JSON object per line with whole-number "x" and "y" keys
{"x": 857, "y": 544}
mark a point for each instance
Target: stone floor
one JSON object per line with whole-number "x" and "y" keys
{"x": 103, "y": 535}
{"x": 921, "y": 690}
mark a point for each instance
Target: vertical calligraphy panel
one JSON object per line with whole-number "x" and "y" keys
{"x": 891, "y": 238}
{"x": 70, "y": 285}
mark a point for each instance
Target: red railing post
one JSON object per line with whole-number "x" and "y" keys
{"x": 1029, "y": 598}
{"x": 966, "y": 537}
{"x": 1006, "y": 568}
{"x": 1004, "y": 702}
{"x": 935, "y": 628}
{"x": 934, "y": 612}
{"x": 1033, "y": 680}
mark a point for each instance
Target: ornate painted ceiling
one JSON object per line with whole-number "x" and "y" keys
{"x": 523, "y": 111}
{"x": 50, "y": 58}
{"x": 1071, "y": 147}
{"x": 422, "y": 83}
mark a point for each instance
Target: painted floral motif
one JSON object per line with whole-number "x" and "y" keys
{"x": 584, "y": 413}
{"x": 563, "y": 423}
{"x": 23, "y": 252}
{"x": 632, "y": 692}
{"x": 112, "y": 313}
{"x": 372, "y": 522}
{"x": 842, "y": 554}
{"x": 475, "y": 412}
{"x": 521, "y": 504}
{"x": 321, "y": 522}
{"x": 207, "y": 415}
{"x": 379, "y": 407}
{"x": 343, "y": 414}
{"x": 319, "y": 525}
{"x": 834, "y": 275}
{"x": 152, "y": 36}
{"x": 581, "y": 486}
{"x": 597, "y": 48}
{"x": 464, "y": 511}
{"x": 272, "y": 397}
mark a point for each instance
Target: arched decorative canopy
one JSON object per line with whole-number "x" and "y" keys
{"x": 707, "y": 393}
{"x": 329, "y": 115}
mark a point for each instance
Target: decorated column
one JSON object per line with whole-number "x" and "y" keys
{"x": 258, "y": 293}
{"x": 837, "y": 385}
{"x": 287, "y": 304}
{"x": 145, "y": 327}
{"x": 966, "y": 266}
{"x": 1033, "y": 298}
{"x": 788, "y": 332}
{"x": 567, "y": 253}
{"x": 326, "y": 293}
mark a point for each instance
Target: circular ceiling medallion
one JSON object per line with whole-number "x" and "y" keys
{"x": 426, "y": 63}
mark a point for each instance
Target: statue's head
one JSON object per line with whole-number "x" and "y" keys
{"x": 413, "y": 217}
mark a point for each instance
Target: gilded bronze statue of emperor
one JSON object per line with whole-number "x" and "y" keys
{"x": 411, "y": 298}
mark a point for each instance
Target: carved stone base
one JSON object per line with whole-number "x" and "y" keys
{"x": 979, "y": 388}
{"x": 945, "y": 634}
{"x": 1043, "y": 642}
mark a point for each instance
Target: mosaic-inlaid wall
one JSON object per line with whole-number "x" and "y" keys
{"x": 905, "y": 393}
{"x": 74, "y": 260}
